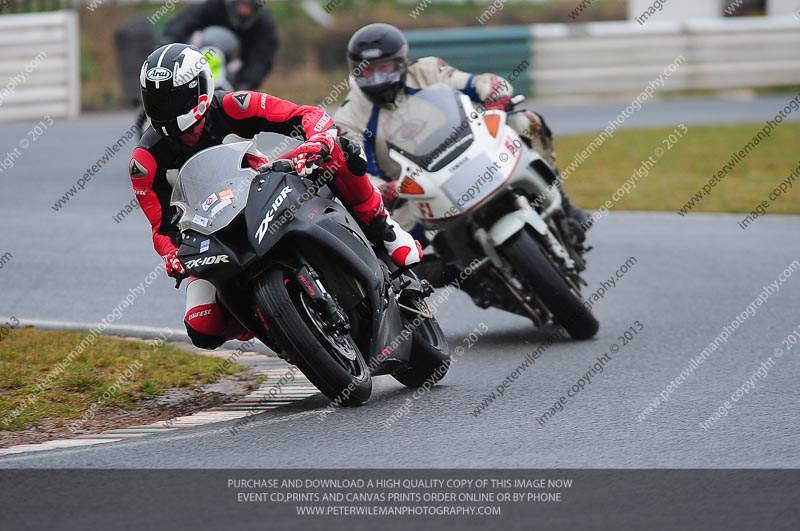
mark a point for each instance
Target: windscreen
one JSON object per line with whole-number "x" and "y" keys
{"x": 430, "y": 127}
{"x": 212, "y": 188}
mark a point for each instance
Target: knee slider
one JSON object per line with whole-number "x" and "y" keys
{"x": 204, "y": 341}
{"x": 205, "y": 324}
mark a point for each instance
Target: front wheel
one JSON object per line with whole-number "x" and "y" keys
{"x": 329, "y": 358}
{"x": 430, "y": 352}
{"x": 530, "y": 263}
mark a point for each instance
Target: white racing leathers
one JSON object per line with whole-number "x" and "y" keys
{"x": 361, "y": 121}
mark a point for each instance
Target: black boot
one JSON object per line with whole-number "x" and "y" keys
{"x": 577, "y": 217}
{"x": 378, "y": 231}
{"x": 434, "y": 270}
{"x": 576, "y": 213}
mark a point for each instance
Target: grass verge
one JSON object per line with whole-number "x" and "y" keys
{"x": 110, "y": 374}
{"x": 684, "y": 168}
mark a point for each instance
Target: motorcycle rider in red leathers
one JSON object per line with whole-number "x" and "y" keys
{"x": 187, "y": 116}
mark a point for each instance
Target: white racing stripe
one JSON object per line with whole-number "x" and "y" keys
{"x": 161, "y": 58}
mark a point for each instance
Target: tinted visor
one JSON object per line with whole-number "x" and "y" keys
{"x": 379, "y": 73}
{"x": 166, "y": 104}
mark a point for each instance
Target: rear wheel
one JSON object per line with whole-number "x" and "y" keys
{"x": 329, "y": 358}
{"x": 536, "y": 270}
{"x": 430, "y": 352}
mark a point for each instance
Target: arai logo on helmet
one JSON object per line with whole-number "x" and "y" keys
{"x": 372, "y": 53}
{"x": 159, "y": 73}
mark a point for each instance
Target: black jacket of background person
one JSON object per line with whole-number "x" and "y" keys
{"x": 259, "y": 43}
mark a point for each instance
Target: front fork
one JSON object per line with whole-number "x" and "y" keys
{"x": 309, "y": 281}
{"x": 505, "y": 228}
{"x": 510, "y": 224}
{"x": 552, "y": 242}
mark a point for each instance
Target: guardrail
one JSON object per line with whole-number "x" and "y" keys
{"x": 39, "y": 66}
{"x": 607, "y": 58}
{"x": 611, "y": 59}
{"x": 499, "y": 49}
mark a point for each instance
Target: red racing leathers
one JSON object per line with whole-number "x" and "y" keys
{"x": 243, "y": 114}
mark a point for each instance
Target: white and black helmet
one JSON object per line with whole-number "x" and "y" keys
{"x": 177, "y": 87}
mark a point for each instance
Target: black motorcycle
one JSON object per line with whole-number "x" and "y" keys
{"x": 294, "y": 267}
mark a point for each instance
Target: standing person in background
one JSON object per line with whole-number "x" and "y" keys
{"x": 254, "y": 26}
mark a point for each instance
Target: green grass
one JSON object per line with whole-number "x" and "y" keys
{"x": 28, "y": 355}
{"x": 685, "y": 168}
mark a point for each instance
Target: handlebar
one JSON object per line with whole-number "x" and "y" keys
{"x": 511, "y": 104}
{"x": 285, "y": 165}
{"x": 279, "y": 165}
{"x": 179, "y": 280}
{"x": 516, "y": 100}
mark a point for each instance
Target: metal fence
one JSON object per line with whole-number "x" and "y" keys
{"x": 39, "y": 65}
{"x": 610, "y": 59}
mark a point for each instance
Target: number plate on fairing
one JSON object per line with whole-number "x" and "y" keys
{"x": 473, "y": 182}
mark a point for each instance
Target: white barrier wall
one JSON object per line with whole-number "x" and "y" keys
{"x": 610, "y": 58}
{"x": 779, "y": 8}
{"x": 674, "y": 9}
{"x": 39, "y": 66}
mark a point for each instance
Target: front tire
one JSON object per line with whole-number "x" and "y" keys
{"x": 344, "y": 381}
{"x": 529, "y": 262}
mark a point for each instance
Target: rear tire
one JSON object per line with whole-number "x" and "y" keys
{"x": 295, "y": 332}
{"x": 530, "y": 263}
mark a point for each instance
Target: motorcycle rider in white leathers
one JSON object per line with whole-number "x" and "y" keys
{"x": 382, "y": 78}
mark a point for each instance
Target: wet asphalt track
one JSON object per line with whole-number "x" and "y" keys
{"x": 693, "y": 275}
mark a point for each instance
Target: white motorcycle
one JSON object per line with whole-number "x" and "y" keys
{"x": 484, "y": 194}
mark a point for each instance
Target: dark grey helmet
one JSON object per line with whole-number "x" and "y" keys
{"x": 222, "y": 39}
{"x": 377, "y": 56}
{"x": 239, "y": 22}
